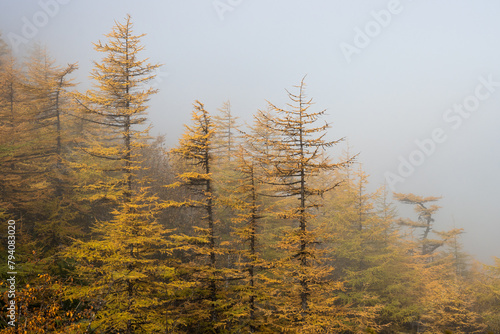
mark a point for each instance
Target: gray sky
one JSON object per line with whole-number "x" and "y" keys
{"x": 390, "y": 74}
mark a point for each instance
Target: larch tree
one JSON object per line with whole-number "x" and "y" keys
{"x": 252, "y": 293}
{"x": 486, "y": 287}
{"x": 460, "y": 259}
{"x": 123, "y": 268}
{"x": 295, "y": 159}
{"x": 451, "y": 308}
{"x": 425, "y": 221}
{"x": 397, "y": 284}
{"x": 118, "y": 105}
{"x": 436, "y": 268}
{"x": 27, "y": 115}
{"x": 35, "y": 177}
{"x": 226, "y": 137}
{"x": 46, "y": 86}
{"x": 15, "y": 143}
{"x": 380, "y": 286}
{"x": 225, "y": 143}
{"x": 201, "y": 305}
{"x": 46, "y": 89}
{"x": 362, "y": 251}
{"x": 4, "y": 49}
{"x": 22, "y": 185}
{"x": 449, "y": 304}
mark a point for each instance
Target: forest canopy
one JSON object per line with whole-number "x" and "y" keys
{"x": 238, "y": 229}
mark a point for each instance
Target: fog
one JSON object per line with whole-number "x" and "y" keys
{"x": 413, "y": 86}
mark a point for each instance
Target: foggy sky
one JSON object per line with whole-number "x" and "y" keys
{"x": 413, "y": 85}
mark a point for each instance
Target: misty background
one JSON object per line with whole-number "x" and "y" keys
{"x": 407, "y": 63}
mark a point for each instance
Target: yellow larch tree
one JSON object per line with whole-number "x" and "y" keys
{"x": 226, "y": 135}
{"x": 381, "y": 286}
{"x": 225, "y": 143}
{"x": 486, "y": 289}
{"x": 47, "y": 98}
{"x": 292, "y": 158}
{"x": 443, "y": 301}
{"x": 123, "y": 268}
{"x": 117, "y": 108}
{"x": 252, "y": 293}
{"x": 201, "y": 304}
{"x": 15, "y": 142}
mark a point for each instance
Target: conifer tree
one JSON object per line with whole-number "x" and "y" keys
{"x": 460, "y": 259}
{"x": 252, "y": 294}
{"x": 224, "y": 169}
{"x": 397, "y": 278}
{"x": 22, "y": 183}
{"x": 226, "y": 138}
{"x": 425, "y": 221}
{"x": 367, "y": 255}
{"x": 123, "y": 269}
{"x": 15, "y": 141}
{"x": 263, "y": 135}
{"x": 450, "y": 306}
{"x": 4, "y": 50}
{"x": 430, "y": 260}
{"x": 45, "y": 87}
{"x": 117, "y": 108}
{"x": 359, "y": 250}
{"x": 295, "y": 159}
{"x": 201, "y": 272}
{"x": 486, "y": 287}
{"x": 37, "y": 177}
